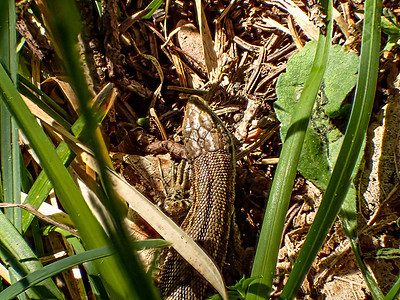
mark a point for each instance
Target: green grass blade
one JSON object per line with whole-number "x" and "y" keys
{"x": 37, "y": 237}
{"x": 348, "y": 216}
{"x": 8, "y": 36}
{"x": 64, "y": 264}
{"x": 89, "y": 228}
{"x": 347, "y": 159}
{"x": 51, "y": 112}
{"x": 269, "y": 242}
{"x": 153, "y": 6}
{"x": 16, "y": 174}
{"x": 42, "y": 186}
{"x": 65, "y": 27}
{"x": 10, "y": 156}
{"x": 53, "y": 269}
{"x": 18, "y": 255}
{"x": 95, "y": 280}
{"x": 6, "y": 160}
{"x": 24, "y": 84}
{"x": 26, "y": 177}
{"x": 394, "y": 292}
{"x": 15, "y": 251}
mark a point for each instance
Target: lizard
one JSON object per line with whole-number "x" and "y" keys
{"x": 211, "y": 154}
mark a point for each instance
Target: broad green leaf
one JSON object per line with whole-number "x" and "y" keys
{"x": 323, "y": 138}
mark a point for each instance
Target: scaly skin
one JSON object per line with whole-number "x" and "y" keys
{"x": 210, "y": 151}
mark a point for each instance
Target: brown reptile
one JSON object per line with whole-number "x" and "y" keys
{"x": 211, "y": 154}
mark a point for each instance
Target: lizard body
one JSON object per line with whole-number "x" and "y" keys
{"x": 210, "y": 151}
